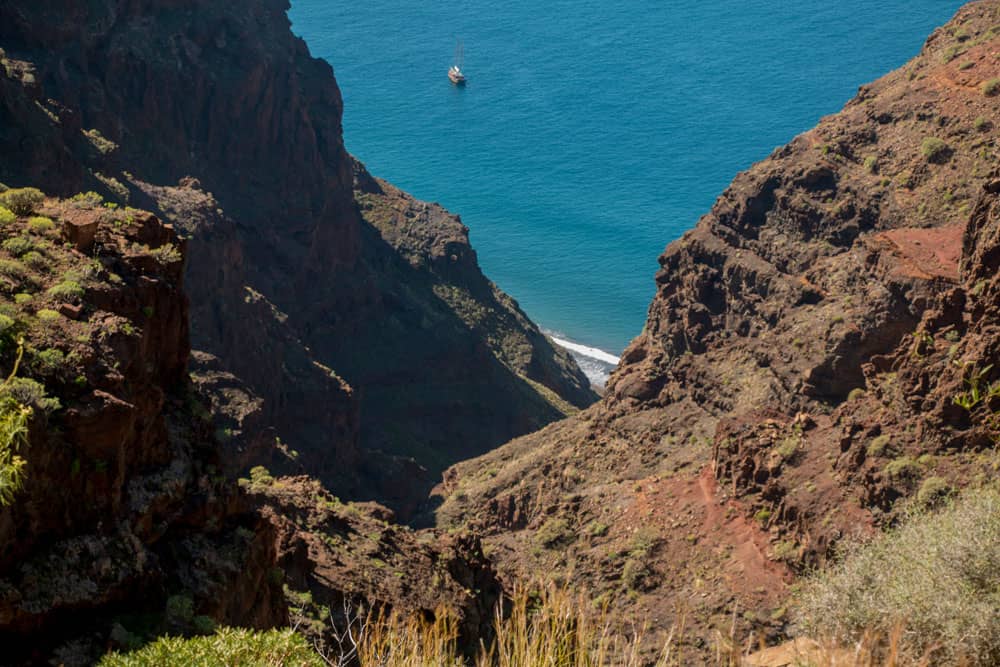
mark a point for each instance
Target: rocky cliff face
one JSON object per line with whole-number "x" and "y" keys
{"x": 222, "y": 123}
{"x": 815, "y": 277}
{"x": 123, "y": 508}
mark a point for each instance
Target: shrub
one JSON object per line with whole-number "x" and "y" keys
{"x": 903, "y": 468}
{"x": 871, "y": 164}
{"x": 87, "y": 200}
{"x": 635, "y": 574}
{"x": 226, "y": 647}
{"x": 934, "y": 149}
{"x": 179, "y": 609}
{"x": 933, "y": 491}
{"x": 40, "y": 224}
{"x": 48, "y": 315}
{"x": 856, "y": 394}
{"x": 67, "y": 290}
{"x": 938, "y": 576}
{"x": 6, "y": 216}
{"x": 981, "y": 124}
{"x": 18, "y": 245}
{"x": 35, "y": 260}
{"x": 878, "y": 445}
{"x": 260, "y": 475}
{"x": 30, "y": 393}
{"x": 991, "y": 87}
{"x": 554, "y": 533}
{"x": 12, "y": 269}
{"x": 49, "y": 361}
{"x": 22, "y": 201}
{"x": 22, "y": 298}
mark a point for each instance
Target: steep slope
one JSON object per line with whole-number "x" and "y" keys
{"x": 768, "y": 314}
{"x": 122, "y": 508}
{"x": 221, "y": 122}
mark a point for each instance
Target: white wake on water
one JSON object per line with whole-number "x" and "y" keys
{"x": 595, "y": 363}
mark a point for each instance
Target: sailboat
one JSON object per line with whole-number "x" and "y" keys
{"x": 455, "y": 74}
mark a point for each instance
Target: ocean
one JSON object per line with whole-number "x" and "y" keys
{"x": 591, "y": 133}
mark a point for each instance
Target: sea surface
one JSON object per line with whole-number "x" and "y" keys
{"x": 593, "y": 133}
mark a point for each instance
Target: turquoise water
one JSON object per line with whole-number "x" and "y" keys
{"x": 591, "y": 133}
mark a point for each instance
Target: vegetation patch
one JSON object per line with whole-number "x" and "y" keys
{"x": 225, "y": 648}
{"x": 937, "y": 577}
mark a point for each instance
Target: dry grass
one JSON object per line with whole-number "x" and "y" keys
{"x": 932, "y": 586}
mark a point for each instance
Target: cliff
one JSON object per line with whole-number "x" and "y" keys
{"x": 823, "y": 302}
{"x": 330, "y": 321}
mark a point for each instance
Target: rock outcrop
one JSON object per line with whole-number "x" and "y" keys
{"x": 817, "y": 275}
{"x": 123, "y": 508}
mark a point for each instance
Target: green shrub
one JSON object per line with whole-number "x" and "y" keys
{"x": 49, "y": 361}
{"x": 30, "y": 393}
{"x": 40, "y": 224}
{"x": 6, "y": 324}
{"x": 871, "y": 164}
{"x": 878, "y": 445}
{"x": 6, "y": 216}
{"x": 635, "y": 574}
{"x": 22, "y": 201}
{"x": 225, "y": 648}
{"x": 933, "y": 491}
{"x": 934, "y": 149}
{"x": 938, "y": 577}
{"x": 991, "y": 87}
{"x": 856, "y": 394}
{"x": 67, "y": 290}
{"x": 203, "y": 625}
{"x": 48, "y": 315}
{"x": 22, "y": 298}
{"x": 18, "y": 245}
{"x": 87, "y": 200}
{"x": 981, "y": 124}
{"x": 12, "y": 269}
{"x": 554, "y": 533}
{"x": 36, "y": 260}
{"x": 903, "y": 468}
{"x": 260, "y": 475}
{"x": 179, "y": 609}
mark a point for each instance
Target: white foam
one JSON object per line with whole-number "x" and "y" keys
{"x": 591, "y": 352}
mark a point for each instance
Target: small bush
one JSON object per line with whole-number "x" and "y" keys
{"x": 67, "y": 290}
{"x": 48, "y": 315}
{"x": 934, "y": 149}
{"x": 856, "y": 394}
{"x": 554, "y": 533}
{"x": 12, "y": 269}
{"x": 981, "y": 124}
{"x": 87, "y": 200}
{"x": 35, "y": 260}
{"x": 871, "y": 164}
{"x": 903, "y": 468}
{"x": 179, "y": 609}
{"x": 30, "y": 393}
{"x": 40, "y": 224}
{"x": 22, "y": 201}
{"x": 6, "y": 216}
{"x": 18, "y": 245}
{"x": 225, "y": 648}
{"x": 49, "y": 361}
{"x": 938, "y": 576}
{"x": 878, "y": 445}
{"x": 260, "y": 475}
{"x": 6, "y": 324}
{"x": 991, "y": 87}
{"x": 933, "y": 491}
{"x": 635, "y": 574}
{"x": 22, "y": 298}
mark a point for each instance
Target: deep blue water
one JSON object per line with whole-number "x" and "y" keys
{"x": 593, "y": 133}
